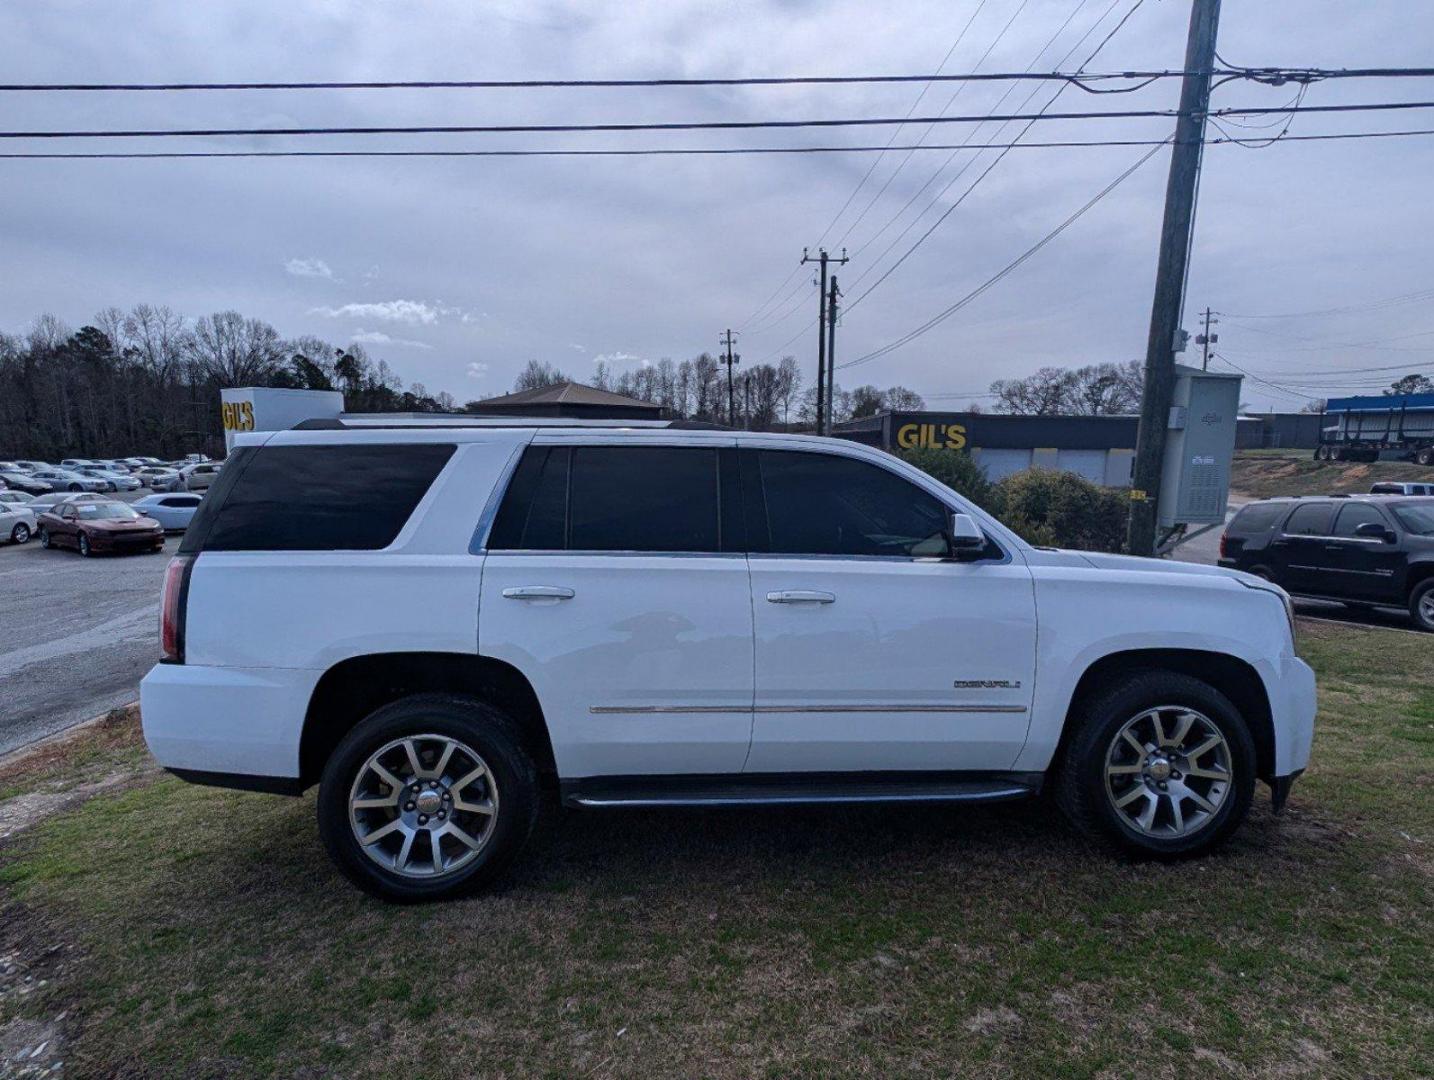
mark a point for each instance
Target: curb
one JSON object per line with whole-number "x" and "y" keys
{"x": 71, "y": 732}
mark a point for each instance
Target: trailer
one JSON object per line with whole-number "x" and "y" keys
{"x": 1361, "y": 428}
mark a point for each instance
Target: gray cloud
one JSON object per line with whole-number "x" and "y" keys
{"x": 378, "y": 337}
{"x": 313, "y": 268}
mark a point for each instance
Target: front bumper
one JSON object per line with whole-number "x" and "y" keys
{"x": 127, "y": 541}
{"x": 213, "y": 720}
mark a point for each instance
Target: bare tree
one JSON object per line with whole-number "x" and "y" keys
{"x": 537, "y": 374}
{"x": 230, "y": 350}
{"x": 1048, "y": 392}
{"x": 789, "y": 384}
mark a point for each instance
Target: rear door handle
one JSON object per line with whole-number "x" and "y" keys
{"x": 539, "y": 592}
{"x": 800, "y": 596}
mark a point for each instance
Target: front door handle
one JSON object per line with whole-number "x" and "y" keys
{"x": 539, "y": 592}
{"x": 800, "y": 596}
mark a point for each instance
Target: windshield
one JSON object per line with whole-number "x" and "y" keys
{"x": 110, "y": 511}
{"x": 1417, "y": 519}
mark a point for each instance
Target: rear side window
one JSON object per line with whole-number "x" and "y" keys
{"x": 618, "y": 498}
{"x": 1258, "y": 517}
{"x": 1311, "y": 519}
{"x": 315, "y": 498}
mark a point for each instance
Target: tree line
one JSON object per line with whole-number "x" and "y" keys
{"x": 760, "y": 397}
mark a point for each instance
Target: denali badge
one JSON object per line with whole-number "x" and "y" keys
{"x": 987, "y": 684}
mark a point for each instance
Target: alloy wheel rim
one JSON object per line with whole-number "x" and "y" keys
{"x": 423, "y": 806}
{"x": 1168, "y": 771}
{"x": 1426, "y": 608}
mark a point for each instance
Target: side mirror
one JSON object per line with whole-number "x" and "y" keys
{"x": 1373, "y": 530}
{"x": 965, "y": 536}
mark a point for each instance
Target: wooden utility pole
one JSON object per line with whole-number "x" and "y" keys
{"x": 832, "y": 295}
{"x": 1175, "y": 232}
{"x": 1207, "y": 339}
{"x": 822, "y": 390}
{"x": 730, "y": 359}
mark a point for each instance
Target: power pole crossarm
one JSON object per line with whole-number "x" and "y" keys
{"x": 1170, "y": 275}
{"x": 824, "y": 390}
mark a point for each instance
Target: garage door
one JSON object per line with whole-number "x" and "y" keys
{"x": 1004, "y": 462}
{"x": 1087, "y": 463}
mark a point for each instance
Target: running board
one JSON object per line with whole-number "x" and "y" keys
{"x": 798, "y": 789}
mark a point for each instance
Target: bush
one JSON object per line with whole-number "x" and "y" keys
{"x": 1060, "y": 509}
{"x": 957, "y": 470}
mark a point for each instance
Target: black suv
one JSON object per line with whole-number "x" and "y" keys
{"x": 1359, "y": 550}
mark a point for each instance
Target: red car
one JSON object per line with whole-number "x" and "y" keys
{"x": 97, "y": 525}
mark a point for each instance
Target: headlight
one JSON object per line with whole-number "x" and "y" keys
{"x": 1284, "y": 598}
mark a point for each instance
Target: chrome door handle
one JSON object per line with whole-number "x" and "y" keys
{"x": 800, "y": 596}
{"x": 539, "y": 592}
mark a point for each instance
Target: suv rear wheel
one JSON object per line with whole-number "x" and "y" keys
{"x": 428, "y": 798}
{"x": 1160, "y": 764}
{"x": 1421, "y": 604}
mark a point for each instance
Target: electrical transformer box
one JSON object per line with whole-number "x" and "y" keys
{"x": 1199, "y": 446}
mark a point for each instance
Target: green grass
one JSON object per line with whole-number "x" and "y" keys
{"x": 211, "y": 937}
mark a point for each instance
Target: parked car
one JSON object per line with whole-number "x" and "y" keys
{"x": 42, "y": 503}
{"x": 149, "y": 461}
{"x": 1358, "y": 551}
{"x": 10, "y": 466}
{"x": 74, "y": 463}
{"x": 68, "y": 480}
{"x": 31, "y": 466}
{"x": 1392, "y": 487}
{"x": 114, "y": 479}
{"x": 441, "y": 627}
{"x": 160, "y": 478}
{"x": 26, "y": 482}
{"x": 199, "y": 477}
{"x": 17, "y": 522}
{"x": 99, "y": 525}
{"x": 15, "y": 498}
{"x": 171, "y": 511}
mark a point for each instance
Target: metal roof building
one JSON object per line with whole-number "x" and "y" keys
{"x": 572, "y": 400}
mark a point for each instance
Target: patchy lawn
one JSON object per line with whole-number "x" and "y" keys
{"x": 1265, "y": 473}
{"x": 171, "y": 930}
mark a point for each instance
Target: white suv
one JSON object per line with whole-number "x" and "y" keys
{"x": 447, "y": 626}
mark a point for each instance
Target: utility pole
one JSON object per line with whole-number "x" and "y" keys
{"x": 730, "y": 359}
{"x": 1206, "y": 340}
{"x": 1175, "y": 232}
{"x": 832, "y": 295}
{"x": 822, "y": 392}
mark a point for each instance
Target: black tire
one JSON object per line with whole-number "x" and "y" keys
{"x": 495, "y": 737}
{"x": 1425, "y": 456}
{"x": 75, "y": 487}
{"x": 1319, "y": 453}
{"x": 20, "y": 534}
{"x": 1262, "y": 572}
{"x": 84, "y": 545}
{"x": 1080, "y": 787}
{"x": 44, "y": 535}
{"x": 1421, "y": 605}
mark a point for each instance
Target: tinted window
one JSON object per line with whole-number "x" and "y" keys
{"x": 612, "y": 498}
{"x": 1387, "y": 489}
{"x": 1415, "y": 518}
{"x": 1311, "y": 519}
{"x": 1258, "y": 517}
{"x": 1355, "y": 515}
{"x": 821, "y": 504}
{"x": 315, "y": 498}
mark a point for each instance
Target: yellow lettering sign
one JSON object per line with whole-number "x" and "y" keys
{"x": 931, "y": 436}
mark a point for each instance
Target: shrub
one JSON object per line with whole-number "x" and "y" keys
{"x": 1060, "y": 509}
{"x": 957, "y": 470}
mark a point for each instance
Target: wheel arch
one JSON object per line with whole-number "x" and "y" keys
{"x": 1233, "y": 677}
{"x": 356, "y": 686}
{"x": 1419, "y": 573}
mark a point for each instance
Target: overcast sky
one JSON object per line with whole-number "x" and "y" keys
{"x": 457, "y": 271}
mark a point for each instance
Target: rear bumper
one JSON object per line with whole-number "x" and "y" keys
{"x": 212, "y": 720}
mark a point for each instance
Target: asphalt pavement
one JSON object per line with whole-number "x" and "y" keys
{"x": 78, "y": 636}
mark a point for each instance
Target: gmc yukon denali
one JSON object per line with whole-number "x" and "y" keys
{"x": 447, "y": 627}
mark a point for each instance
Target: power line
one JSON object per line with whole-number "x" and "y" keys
{"x": 1372, "y": 305}
{"x": 1008, "y": 268}
{"x": 994, "y": 162}
{"x": 1272, "y": 75}
{"x": 681, "y": 151}
{"x": 701, "y": 125}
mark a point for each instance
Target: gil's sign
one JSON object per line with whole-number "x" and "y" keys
{"x": 935, "y": 436}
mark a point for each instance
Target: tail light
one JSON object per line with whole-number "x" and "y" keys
{"x": 1224, "y": 545}
{"x": 171, "y": 609}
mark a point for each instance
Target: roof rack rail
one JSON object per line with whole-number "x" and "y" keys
{"x": 381, "y": 421}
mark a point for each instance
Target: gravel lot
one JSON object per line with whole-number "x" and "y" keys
{"x": 79, "y": 635}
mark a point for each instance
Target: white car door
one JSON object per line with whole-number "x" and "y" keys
{"x": 873, "y": 651}
{"x": 608, "y": 583}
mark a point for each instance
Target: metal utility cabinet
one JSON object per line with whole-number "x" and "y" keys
{"x": 1195, "y": 477}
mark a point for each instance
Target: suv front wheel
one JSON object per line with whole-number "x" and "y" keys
{"x": 428, "y": 798}
{"x": 1160, "y": 764}
{"x": 1421, "y": 604}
